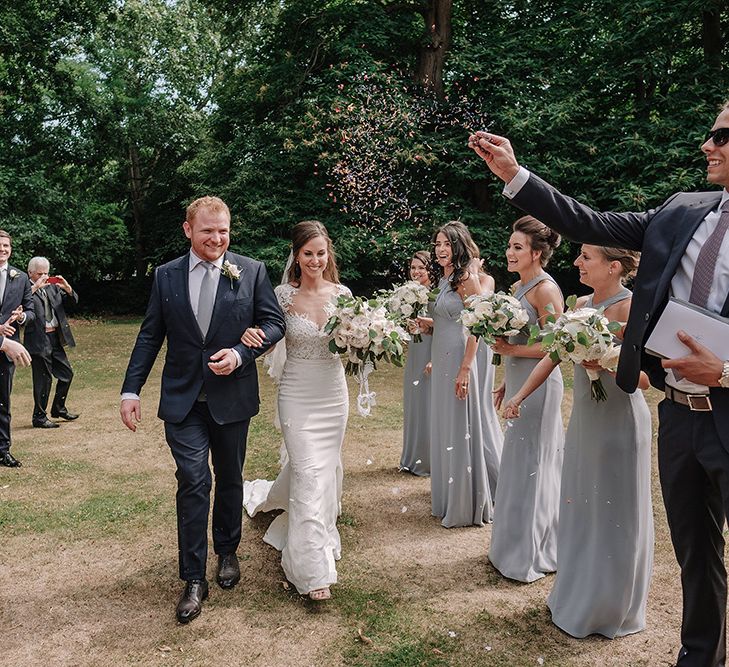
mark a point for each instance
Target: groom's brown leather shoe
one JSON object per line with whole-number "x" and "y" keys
{"x": 228, "y": 571}
{"x": 190, "y": 604}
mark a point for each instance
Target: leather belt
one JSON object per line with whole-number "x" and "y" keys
{"x": 695, "y": 402}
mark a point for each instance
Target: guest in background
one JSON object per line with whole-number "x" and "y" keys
{"x": 16, "y": 309}
{"x": 45, "y": 338}
{"x": 415, "y": 456}
{"x": 524, "y": 538}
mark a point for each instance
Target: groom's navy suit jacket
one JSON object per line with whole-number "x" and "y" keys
{"x": 239, "y": 304}
{"x": 17, "y": 293}
{"x": 662, "y": 235}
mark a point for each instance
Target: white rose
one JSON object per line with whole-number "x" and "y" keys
{"x": 406, "y": 310}
{"x": 469, "y": 318}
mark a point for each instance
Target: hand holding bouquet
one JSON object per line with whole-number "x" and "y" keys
{"x": 408, "y": 301}
{"x": 580, "y": 335}
{"x": 494, "y": 316}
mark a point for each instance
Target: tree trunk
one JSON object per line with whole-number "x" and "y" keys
{"x": 432, "y": 54}
{"x": 711, "y": 40}
{"x": 136, "y": 196}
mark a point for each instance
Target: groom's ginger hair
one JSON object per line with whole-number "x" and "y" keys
{"x": 212, "y": 204}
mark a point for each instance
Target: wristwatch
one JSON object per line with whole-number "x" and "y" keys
{"x": 724, "y": 377}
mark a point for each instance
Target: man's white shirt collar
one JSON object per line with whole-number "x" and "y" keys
{"x": 194, "y": 260}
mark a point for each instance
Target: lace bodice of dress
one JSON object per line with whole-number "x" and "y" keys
{"x": 304, "y": 339}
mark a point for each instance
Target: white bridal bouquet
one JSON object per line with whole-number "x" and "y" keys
{"x": 407, "y": 301}
{"x": 494, "y": 316}
{"x": 363, "y": 331}
{"x": 584, "y": 334}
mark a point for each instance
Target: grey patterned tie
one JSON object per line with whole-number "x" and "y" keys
{"x": 706, "y": 261}
{"x": 47, "y": 310}
{"x": 207, "y": 298}
{"x": 3, "y": 280}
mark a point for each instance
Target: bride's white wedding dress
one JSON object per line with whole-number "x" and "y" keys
{"x": 313, "y": 405}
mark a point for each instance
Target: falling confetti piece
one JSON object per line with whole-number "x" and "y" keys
{"x": 416, "y": 383}
{"x": 452, "y": 634}
{"x": 418, "y": 461}
{"x": 469, "y": 469}
{"x": 403, "y": 509}
{"x": 450, "y": 480}
{"x": 369, "y": 462}
{"x": 448, "y": 449}
{"x": 468, "y": 436}
{"x": 532, "y": 473}
{"x": 486, "y": 648}
{"x": 540, "y": 661}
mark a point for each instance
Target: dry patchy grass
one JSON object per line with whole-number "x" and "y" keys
{"x": 90, "y": 572}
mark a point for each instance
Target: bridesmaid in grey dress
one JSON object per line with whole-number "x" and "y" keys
{"x": 524, "y": 536}
{"x": 459, "y": 479}
{"x": 605, "y": 535}
{"x": 493, "y": 436}
{"x": 415, "y": 457}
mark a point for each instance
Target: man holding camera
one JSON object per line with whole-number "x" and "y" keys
{"x": 45, "y": 338}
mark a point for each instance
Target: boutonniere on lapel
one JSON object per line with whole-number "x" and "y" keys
{"x": 231, "y": 271}
{"x": 12, "y": 273}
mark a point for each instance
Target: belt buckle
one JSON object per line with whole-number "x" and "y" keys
{"x": 698, "y": 403}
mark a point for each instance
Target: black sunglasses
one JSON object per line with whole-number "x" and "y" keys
{"x": 719, "y": 136}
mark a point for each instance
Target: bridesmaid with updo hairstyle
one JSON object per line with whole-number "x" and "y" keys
{"x": 415, "y": 456}
{"x": 524, "y": 536}
{"x": 605, "y": 534}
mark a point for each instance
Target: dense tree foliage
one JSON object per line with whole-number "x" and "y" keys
{"x": 115, "y": 113}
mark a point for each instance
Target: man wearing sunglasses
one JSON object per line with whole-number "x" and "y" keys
{"x": 685, "y": 254}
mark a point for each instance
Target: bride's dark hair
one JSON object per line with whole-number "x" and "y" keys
{"x": 301, "y": 234}
{"x": 461, "y": 248}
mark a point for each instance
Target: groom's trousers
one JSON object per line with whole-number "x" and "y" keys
{"x": 694, "y": 471}
{"x": 191, "y": 442}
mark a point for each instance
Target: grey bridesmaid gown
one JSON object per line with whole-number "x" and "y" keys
{"x": 492, "y": 434}
{"x": 605, "y": 534}
{"x": 415, "y": 457}
{"x": 458, "y": 475}
{"x": 524, "y": 535}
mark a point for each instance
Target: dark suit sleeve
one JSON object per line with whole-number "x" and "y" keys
{"x": 27, "y": 303}
{"x": 579, "y": 222}
{"x": 67, "y": 298}
{"x": 267, "y": 315}
{"x": 149, "y": 341}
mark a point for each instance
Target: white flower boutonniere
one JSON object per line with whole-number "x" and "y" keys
{"x": 231, "y": 271}
{"x": 12, "y": 273}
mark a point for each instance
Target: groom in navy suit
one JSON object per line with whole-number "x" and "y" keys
{"x": 685, "y": 254}
{"x": 202, "y": 303}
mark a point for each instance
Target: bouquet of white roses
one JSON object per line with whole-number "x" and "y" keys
{"x": 363, "y": 331}
{"x": 407, "y": 301}
{"x": 578, "y": 335}
{"x": 494, "y": 316}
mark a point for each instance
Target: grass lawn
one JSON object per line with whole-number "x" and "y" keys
{"x": 89, "y": 557}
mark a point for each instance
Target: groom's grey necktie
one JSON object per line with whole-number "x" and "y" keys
{"x": 3, "y": 281}
{"x": 706, "y": 260}
{"x": 207, "y": 298}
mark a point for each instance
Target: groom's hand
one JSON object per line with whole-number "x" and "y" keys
{"x": 496, "y": 152}
{"x": 223, "y": 362}
{"x": 131, "y": 413}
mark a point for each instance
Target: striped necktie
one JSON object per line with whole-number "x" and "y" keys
{"x": 706, "y": 261}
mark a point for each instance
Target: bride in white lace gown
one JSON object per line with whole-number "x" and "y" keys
{"x": 313, "y": 407}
